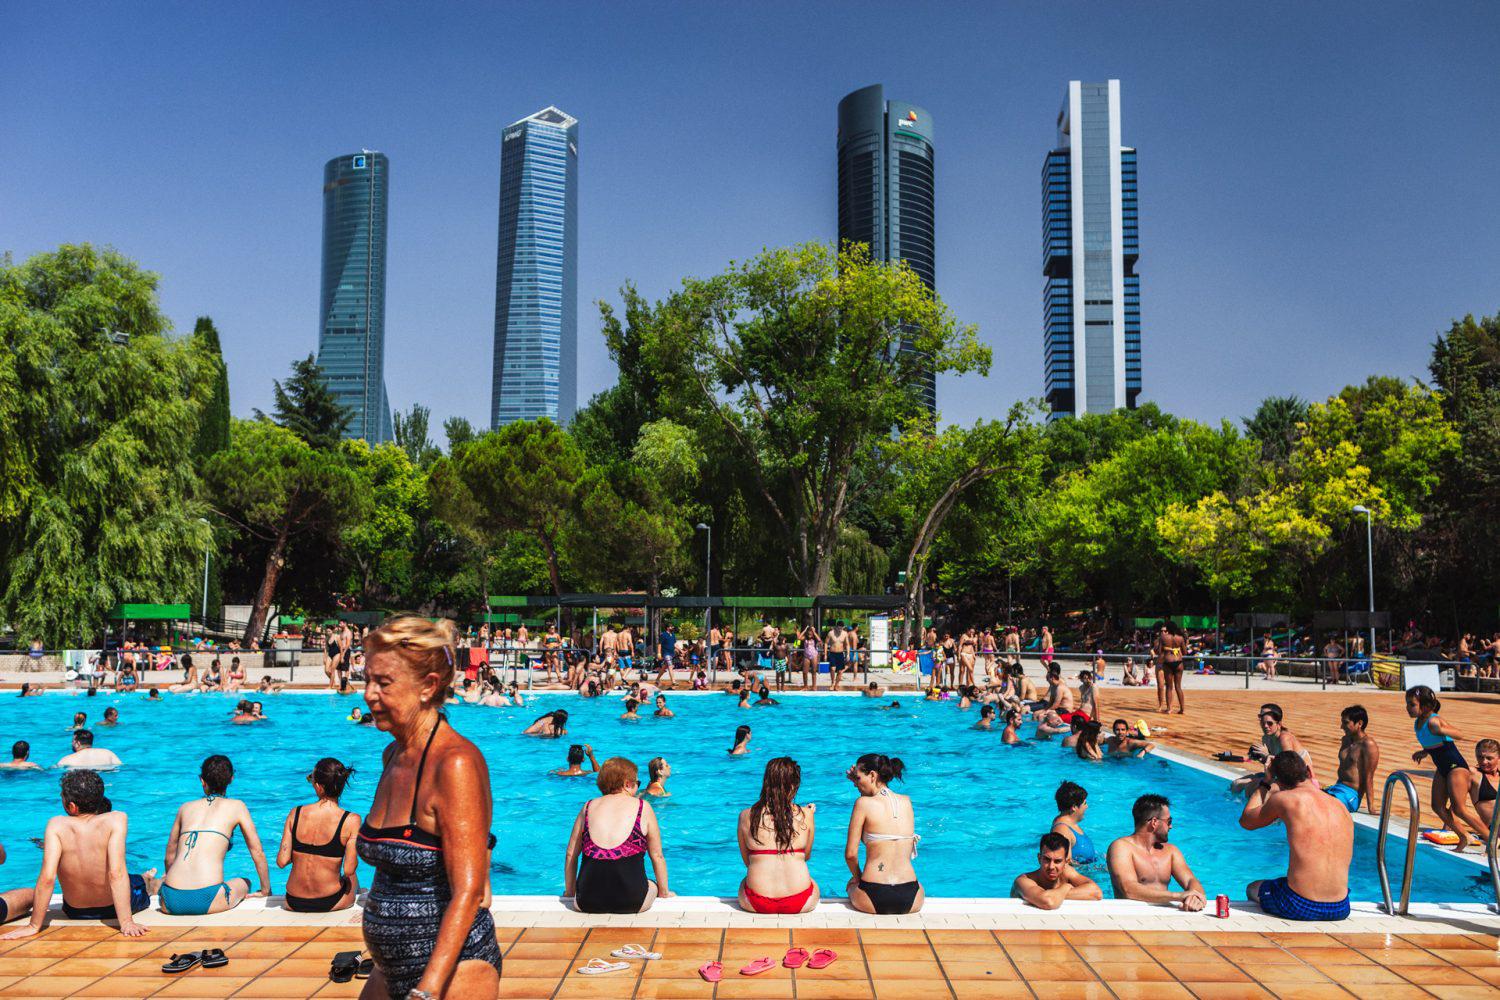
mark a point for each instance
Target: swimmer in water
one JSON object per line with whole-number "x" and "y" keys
{"x": 551, "y": 725}
{"x": 744, "y": 699}
{"x": 765, "y": 698}
{"x": 630, "y": 706}
{"x": 153, "y": 695}
{"x": 986, "y": 717}
{"x": 111, "y": 717}
{"x": 80, "y": 721}
{"x": 887, "y": 708}
{"x": 1123, "y": 742}
{"x": 576, "y": 753}
{"x": 1087, "y": 745}
{"x": 741, "y": 742}
{"x": 662, "y": 711}
{"x": 1012, "y": 721}
{"x": 1072, "y": 803}
{"x": 356, "y": 714}
{"x": 660, "y": 771}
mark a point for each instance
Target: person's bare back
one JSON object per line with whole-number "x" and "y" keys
{"x": 85, "y": 842}
{"x": 1319, "y": 830}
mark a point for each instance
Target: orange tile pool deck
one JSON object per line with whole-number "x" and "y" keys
{"x": 92, "y": 961}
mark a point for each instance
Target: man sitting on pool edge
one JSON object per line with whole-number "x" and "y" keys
{"x": 1055, "y": 878}
{"x": 1320, "y": 835}
{"x": 1143, "y": 865}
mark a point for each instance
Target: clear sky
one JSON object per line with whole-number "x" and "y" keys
{"x": 1319, "y": 182}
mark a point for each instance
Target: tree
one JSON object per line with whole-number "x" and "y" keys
{"x": 411, "y": 435}
{"x": 306, "y": 407}
{"x": 99, "y": 411}
{"x": 520, "y": 478}
{"x": 381, "y": 544}
{"x": 459, "y": 432}
{"x": 1276, "y": 424}
{"x": 794, "y": 357}
{"x": 213, "y": 428}
{"x": 275, "y": 486}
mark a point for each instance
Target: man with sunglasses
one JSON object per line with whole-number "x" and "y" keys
{"x": 1143, "y": 865}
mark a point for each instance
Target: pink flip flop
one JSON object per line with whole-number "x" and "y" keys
{"x": 823, "y": 958}
{"x": 758, "y": 966}
{"x": 795, "y": 959}
{"x": 711, "y": 972}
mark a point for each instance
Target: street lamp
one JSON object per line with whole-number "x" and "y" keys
{"x": 1370, "y": 565}
{"x": 708, "y": 561}
{"x": 206, "y": 548}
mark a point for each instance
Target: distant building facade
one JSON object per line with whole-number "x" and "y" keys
{"x": 351, "y": 334}
{"x": 1090, "y": 244}
{"x": 886, "y": 192}
{"x": 536, "y": 271}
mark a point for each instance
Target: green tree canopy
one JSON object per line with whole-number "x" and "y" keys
{"x": 99, "y": 412}
{"x": 411, "y": 433}
{"x": 305, "y": 406}
{"x": 213, "y": 428}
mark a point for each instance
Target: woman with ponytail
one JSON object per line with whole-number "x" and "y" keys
{"x": 884, "y": 823}
{"x": 776, "y": 836}
{"x": 320, "y": 842}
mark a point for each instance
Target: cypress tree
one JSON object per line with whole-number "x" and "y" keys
{"x": 213, "y": 427}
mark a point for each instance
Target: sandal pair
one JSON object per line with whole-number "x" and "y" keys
{"x": 212, "y": 958}
{"x": 795, "y": 958}
{"x": 348, "y": 965}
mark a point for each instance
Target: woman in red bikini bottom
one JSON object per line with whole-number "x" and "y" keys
{"x": 776, "y": 836}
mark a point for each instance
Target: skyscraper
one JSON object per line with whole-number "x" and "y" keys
{"x": 536, "y": 273}
{"x": 1090, "y": 242}
{"x": 351, "y": 334}
{"x": 886, "y": 186}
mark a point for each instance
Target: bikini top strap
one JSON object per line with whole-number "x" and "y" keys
{"x": 421, "y": 766}
{"x": 339, "y": 831}
{"x": 296, "y": 818}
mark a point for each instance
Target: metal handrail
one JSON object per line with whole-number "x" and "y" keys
{"x": 1411, "y": 842}
{"x": 1492, "y": 855}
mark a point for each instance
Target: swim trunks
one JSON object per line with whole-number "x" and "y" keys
{"x": 1279, "y": 900}
{"x": 1348, "y": 796}
{"x": 836, "y": 661}
{"x": 139, "y": 900}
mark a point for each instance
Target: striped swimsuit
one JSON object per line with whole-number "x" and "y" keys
{"x": 409, "y": 896}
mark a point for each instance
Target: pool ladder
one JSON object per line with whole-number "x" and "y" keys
{"x": 1491, "y": 845}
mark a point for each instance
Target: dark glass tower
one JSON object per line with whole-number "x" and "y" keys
{"x": 1091, "y": 304}
{"x": 886, "y": 187}
{"x": 351, "y": 335}
{"x": 536, "y": 271}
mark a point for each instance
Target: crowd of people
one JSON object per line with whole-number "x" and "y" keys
{"x": 427, "y": 834}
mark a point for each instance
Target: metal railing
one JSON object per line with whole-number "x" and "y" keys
{"x": 1492, "y": 855}
{"x": 1411, "y": 842}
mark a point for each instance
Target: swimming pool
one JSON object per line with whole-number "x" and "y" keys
{"x": 980, "y": 805}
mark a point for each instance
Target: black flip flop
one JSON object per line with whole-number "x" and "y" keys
{"x": 182, "y": 963}
{"x": 214, "y": 958}
{"x": 344, "y": 967}
{"x": 365, "y": 968}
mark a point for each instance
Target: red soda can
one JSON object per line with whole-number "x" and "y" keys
{"x": 1221, "y": 906}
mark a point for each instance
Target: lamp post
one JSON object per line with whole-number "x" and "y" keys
{"x": 206, "y": 549}
{"x": 1370, "y": 566}
{"x": 708, "y": 562}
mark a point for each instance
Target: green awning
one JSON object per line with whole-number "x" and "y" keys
{"x": 151, "y": 612}
{"x": 768, "y": 602}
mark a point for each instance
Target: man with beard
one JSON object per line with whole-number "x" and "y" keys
{"x": 1143, "y": 865}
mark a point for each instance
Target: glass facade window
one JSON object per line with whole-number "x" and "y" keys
{"x": 536, "y": 272}
{"x": 351, "y": 333}
{"x": 886, "y": 188}
{"x": 1092, "y": 341}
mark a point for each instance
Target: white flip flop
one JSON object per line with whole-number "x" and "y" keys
{"x": 599, "y": 967}
{"x": 635, "y": 951}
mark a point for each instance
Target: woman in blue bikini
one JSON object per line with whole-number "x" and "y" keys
{"x": 1072, "y": 802}
{"x": 201, "y": 837}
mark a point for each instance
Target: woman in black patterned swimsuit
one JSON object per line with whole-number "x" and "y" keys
{"x": 427, "y": 922}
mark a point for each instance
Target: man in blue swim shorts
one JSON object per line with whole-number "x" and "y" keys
{"x": 1359, "y": 756}
{"x": 1319, "y": 834}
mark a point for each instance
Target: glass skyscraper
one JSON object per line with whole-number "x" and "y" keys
{"x": 351, "y": 335}
{"x": 885, "y": 156}
{"x": 536, "y": 272}
{"x": 1090, "y": 242}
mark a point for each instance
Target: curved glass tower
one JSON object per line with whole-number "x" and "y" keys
{"x": 351, "y": 334}
{"x": 886, "y": 186}
{"x": 536, "y": 271}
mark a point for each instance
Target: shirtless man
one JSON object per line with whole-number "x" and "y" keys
{"x": 20, "y": 754}
{"x": 1088, "y": 695}
{"x": 1319, "y": 834}
{"x": 836, "y": 644}
{"x": 1055, "y": 878}
{"x": 14, "y": 903}
{"x": 85, "y": 849}
{"x": 1012, "y": 646}
{"x": 1059, "y": 695}
{"x": 1173, "y": 644}
{"x": 1275, "y": 738}
{"x": 1123, "y": 741}
{"x": 1143, "y": 865}
{"x": 873, "y": 690}
{"x": 85, "y": 754}
{"x": 1359, "y": 756}
{"x": 609, "y": 643}
{"x": 1026, "y": 690}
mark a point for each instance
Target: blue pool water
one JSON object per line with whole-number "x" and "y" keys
{"x": 980, "y": 805}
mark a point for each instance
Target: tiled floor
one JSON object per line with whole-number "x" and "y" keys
{"x": 539, "y": 963}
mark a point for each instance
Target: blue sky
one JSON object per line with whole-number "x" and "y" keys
{"x": 1318, "y": 181}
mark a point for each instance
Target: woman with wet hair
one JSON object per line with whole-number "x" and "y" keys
{"x": 427, "y": 920}
{"x": 320, "y": 842}
{"x": 660, "y": 771}
{"x": 550, "y": 725}
{"x": 741, "y": 742}
{"x": 775, "y": 838}
{"x": 885, "y": 824}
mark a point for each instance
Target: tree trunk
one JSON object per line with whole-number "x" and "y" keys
{"x": 275, "y": 560}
